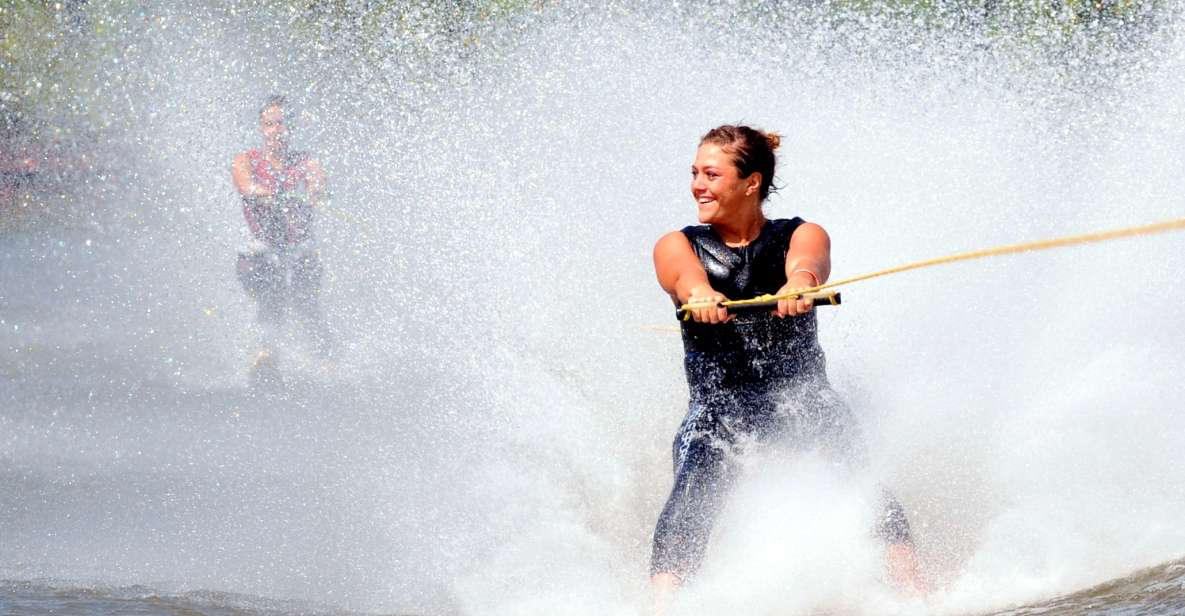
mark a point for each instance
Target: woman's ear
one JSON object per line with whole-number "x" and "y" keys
{"x": 753, "y": 183}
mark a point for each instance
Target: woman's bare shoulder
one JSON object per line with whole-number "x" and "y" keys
{"x": 674, "y": 240}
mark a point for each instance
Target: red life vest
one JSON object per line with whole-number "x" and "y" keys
{"x": 285, "y": 218}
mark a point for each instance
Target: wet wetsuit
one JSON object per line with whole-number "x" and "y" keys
{"x": 287, "y": 272}
{"x": 756, "y": 379}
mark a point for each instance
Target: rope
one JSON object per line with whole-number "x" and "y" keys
{"x": 1176, "y": 224}
{"x": 344, "y": 217}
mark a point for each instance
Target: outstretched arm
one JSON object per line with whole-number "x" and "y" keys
{"x": 808, "y": 264}
{"x": 240, "y": 172}
{"x": 315, "y": 179}
{"x": 683, "y": 277}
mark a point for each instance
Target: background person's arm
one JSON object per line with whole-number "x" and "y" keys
{"x": 315, "y": 180}
{"x": 240, "y": 172}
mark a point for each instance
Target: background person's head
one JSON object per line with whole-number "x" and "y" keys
{"x": 272, "y": 123}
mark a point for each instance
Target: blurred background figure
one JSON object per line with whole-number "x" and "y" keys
{"x": 280, "y": 267}
{"x": 18, "y": 164}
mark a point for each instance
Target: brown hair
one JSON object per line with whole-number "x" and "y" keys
{"x": 751, "y": 150}
{"x": 275, "y": 100}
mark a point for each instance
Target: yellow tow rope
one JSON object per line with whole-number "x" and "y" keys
{"x": 1085, "y": 238}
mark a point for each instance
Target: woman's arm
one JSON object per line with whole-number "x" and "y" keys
{"x": 682, "y": 276}
{"x": 315, "y": 180}
{"x": 240, "y": 172}
{"x": 808, "y": 264}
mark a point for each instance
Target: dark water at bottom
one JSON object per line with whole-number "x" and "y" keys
{"x": 1155, "y": 591}
{"x": 47, "y": 598}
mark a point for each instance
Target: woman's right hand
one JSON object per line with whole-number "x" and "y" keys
{"x": 261, "y": 190}
{"x": 704, "y": 305}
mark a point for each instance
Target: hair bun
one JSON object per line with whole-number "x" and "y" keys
{"x": 773, "y": 139}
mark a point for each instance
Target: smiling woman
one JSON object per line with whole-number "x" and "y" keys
{"x": 752, "y": 378}
{"x": 731, "y": 177}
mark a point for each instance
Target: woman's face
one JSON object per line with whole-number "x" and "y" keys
{"x": 719, "y": 191}
{"x": 271, "y": 124}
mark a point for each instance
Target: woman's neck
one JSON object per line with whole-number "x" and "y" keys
{"x": 275, "y": 154}
{"x": 741, "y": 232}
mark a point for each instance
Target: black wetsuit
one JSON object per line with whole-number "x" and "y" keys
{"x": 756, "y": 379}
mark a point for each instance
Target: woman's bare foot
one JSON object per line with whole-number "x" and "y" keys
{"x": 902, "y": 562}
{"x": 663, "y": 586}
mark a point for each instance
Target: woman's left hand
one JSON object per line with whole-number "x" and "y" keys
{"x": 794, "y": 307}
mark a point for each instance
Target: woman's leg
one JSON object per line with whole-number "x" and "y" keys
{"x": 306, "y": 287}
{"x": 703, "y": 476}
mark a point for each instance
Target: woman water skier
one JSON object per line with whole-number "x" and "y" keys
{"x": 281, "y": 268}
{"x": 753, "y": 378}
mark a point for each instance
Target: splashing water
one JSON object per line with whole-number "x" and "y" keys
{"x": 496, "y": 438}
